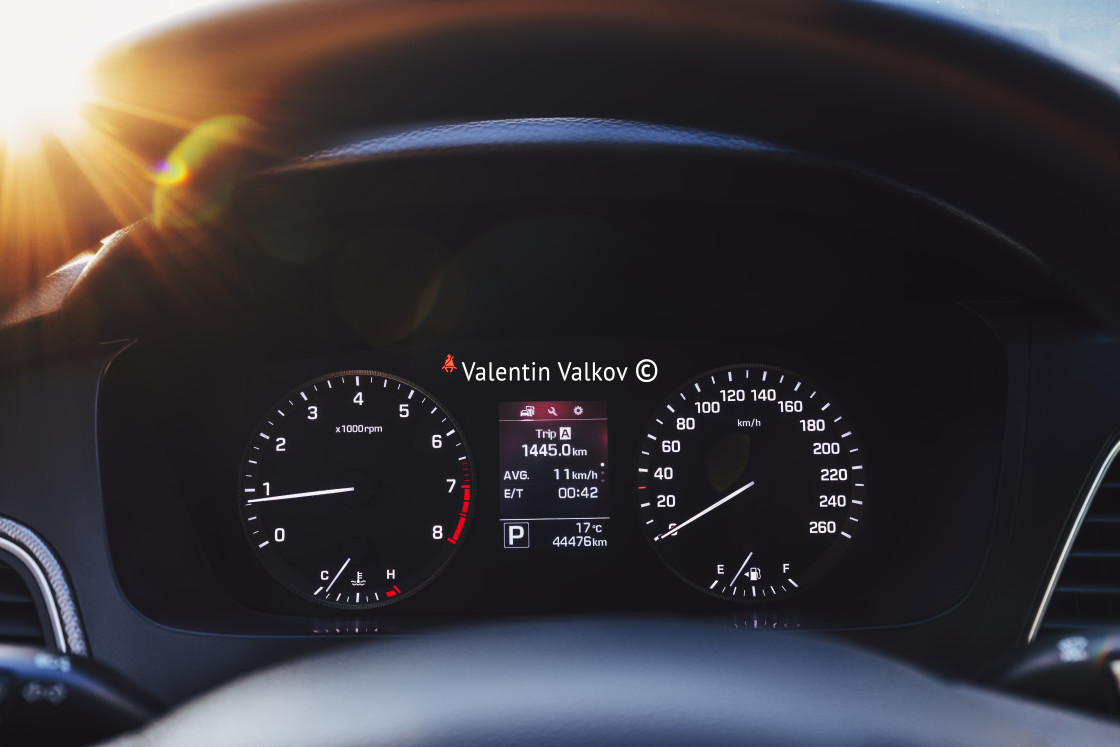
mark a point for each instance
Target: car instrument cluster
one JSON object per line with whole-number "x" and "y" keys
{"x": 355, "y": 489}
{"x": 550, "y": 475}
{"x": 514, "y": 413}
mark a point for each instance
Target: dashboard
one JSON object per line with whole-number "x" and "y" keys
{"x": 549, "y": 427}
{"x": 496, "y": 316}
{"x": 564, "y": 366}
{"x": 594, "y": 557}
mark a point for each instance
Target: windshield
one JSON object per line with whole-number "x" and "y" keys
{"x": 1083, "y": 33}
{"x": 67, "y": 179}
{"x": 59, "y": 40}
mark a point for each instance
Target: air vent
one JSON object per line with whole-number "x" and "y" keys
{"x": 1088, "y": 590}
{"x": 19, "y": 609}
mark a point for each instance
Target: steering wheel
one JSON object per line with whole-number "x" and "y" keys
{"x": 1022, "y": 145}
{"x": 620, "y": 681}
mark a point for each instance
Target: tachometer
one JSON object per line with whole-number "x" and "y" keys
{"x": 751, "y": 483}
{"x": 355, "y": 489}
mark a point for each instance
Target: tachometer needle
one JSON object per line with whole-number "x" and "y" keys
{"x": 336, "y": 576}
{"x": 710, "y": 508}
{"x": 308, "y": 494}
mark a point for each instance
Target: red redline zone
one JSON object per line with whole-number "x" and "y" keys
{"x": 454, "y": 538}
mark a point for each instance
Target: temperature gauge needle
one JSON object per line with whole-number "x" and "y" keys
{"x": 308, "y": 494}
{"x": 709, "y": 509}
{"x": 337, "y": 575}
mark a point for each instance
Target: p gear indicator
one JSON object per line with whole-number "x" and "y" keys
{"x": 553, "y": 470}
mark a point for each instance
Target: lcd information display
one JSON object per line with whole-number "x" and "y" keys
{"x": 553, "y": 470}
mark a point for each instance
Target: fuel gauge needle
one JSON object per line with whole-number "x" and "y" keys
{"x": 740, "y": 571}
{"x": 709, "y": 509}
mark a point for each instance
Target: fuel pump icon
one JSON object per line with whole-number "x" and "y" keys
{"x": 754, "y": 574}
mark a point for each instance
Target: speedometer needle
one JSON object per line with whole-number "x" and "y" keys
{"x": 710, "y": 508}
{"x": 308, "y": 494}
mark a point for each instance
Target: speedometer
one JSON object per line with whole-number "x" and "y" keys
{"x": 751, "y": 483}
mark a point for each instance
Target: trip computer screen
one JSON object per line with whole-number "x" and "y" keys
{"x": 553, "y": 470}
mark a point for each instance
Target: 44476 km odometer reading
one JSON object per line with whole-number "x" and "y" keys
{"x": 751, "y": 483}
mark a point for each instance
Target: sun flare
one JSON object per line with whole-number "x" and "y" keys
{"x": 48, "y": 102}
{"x": 46, "y": 51}
{"x": 56, "y": 144}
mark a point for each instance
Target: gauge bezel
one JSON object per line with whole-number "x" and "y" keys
{"x": 810, "y": 576}
{"x": 288, "y": 577}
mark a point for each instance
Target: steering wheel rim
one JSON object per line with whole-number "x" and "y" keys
{"x": 618, "y": 681}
